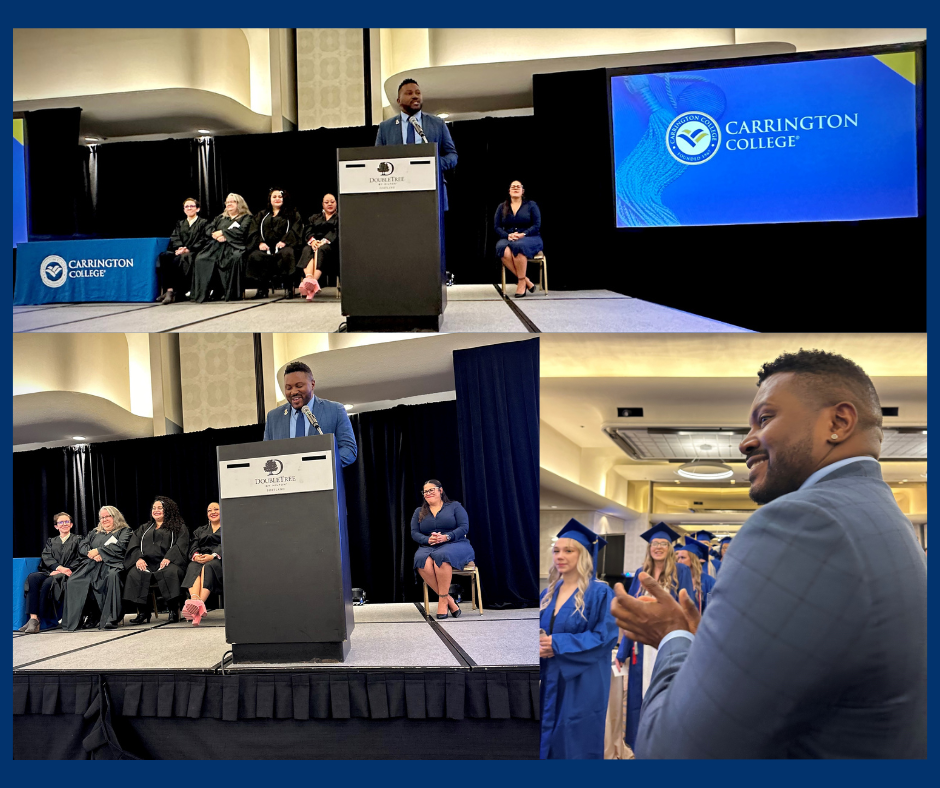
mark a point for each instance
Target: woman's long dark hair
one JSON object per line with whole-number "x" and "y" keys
{"x": 507, "y": 205}
{"x": 172, "y": 519}
{"x": 425, "y": 509}
{"x": 287, "y": 209}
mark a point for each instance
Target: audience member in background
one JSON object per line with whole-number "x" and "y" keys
{"x": 220, "y": 264}
{"x": 96, "y": 584}
{"x": 693, "y": 554}
{"x": 274, "y": 242}
{"x": 720, "y": 553}
{"x": 706, "y": 538}
{"x": 660, "y": 563}
{"x": 60, "y": 557}
{"x": 320, "y": 254}
{"x": 440, "y": 527}
{"x": 517, "y": 224}
{"x": 815, "y": 641}
{"x": 204, "y": 574}
{"x": 576, "y": 638}
{"x": 158, "y": 551}
{"x": 176, "y": 263}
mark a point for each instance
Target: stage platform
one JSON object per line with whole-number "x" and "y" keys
{"x": 470, "y": 308}
{"x": 173, "y": 692}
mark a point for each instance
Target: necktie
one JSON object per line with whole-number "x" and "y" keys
{"x": 410, "y": 135}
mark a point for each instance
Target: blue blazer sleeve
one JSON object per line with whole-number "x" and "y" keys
{"x": 345, "y": 439}
{"x": 416, "y": 534}
{"x": 447, "y": 151}
{"x": 380, "y": 135}
{"x": 268, "y": 428}
{"x": 498, "y": 223}
{"x": 536, "y": 219}
{"x": 463, "y": 523}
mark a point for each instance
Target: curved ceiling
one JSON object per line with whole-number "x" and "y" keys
{"x": 52, "y": 418}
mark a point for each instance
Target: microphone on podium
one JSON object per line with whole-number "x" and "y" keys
{"x": 312, "y": 419}
{"x": 414, "y": 122}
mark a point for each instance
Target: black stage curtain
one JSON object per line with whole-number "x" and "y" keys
{"x": 399, "y": 449}
{"x": 498, "y": 421}
{"x": 136, "y": 189}
{"x": 53, "y": 171}
{"x": 341, "y": 713}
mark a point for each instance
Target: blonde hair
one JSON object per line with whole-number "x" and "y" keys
{"x": 669, "y": 579}
{"x": 585, "y": 572}
{"x": 695, "y": 567}
{"x": 119, "y": 521}
{"x": 242, "y": 205}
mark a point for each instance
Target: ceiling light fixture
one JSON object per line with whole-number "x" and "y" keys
{"x": 349, "y": 407}
{"x": 79, "y": 438}
{"x": 705, "y": 469}
{"x": 443, "y": 115}
{"x": 91, "y": 139}
{"x": 204, "y": 131}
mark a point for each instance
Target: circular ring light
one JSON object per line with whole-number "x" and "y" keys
{"x": 705, "y": 470}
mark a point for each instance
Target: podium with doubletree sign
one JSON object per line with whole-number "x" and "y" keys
{"x": 288, "y": 592}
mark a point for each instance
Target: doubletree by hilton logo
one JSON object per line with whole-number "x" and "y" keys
{"x": 385, "y": 168}
{"x": 273, "y": 467}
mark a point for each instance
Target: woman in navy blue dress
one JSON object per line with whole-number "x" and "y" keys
{"x": 440, "y": 526}
{"x": 517, "y": 225}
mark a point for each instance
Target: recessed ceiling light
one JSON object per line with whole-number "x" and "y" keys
{"x": 79, "y": 438}
{"x": 204, "y": 131}
{"x": 443, "y": 115}
{"x": 91, "y": 139}
{"x": 924, "y": 432}
{"x": 554, "y": 507}
{"x": 554, "y": 538}
{"x": 349, "y": 407}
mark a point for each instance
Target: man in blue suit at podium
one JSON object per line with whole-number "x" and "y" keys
{"x": 411, "y": 123}
{"x": 289, "y": 421}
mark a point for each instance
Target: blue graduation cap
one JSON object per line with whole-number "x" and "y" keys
{"x": 704, "y": 536}
{"x": 660, "y": 531}
{"x": 725, "y": 540}
{"x": 584, "y": 536}
{"x": 696, "y": 547}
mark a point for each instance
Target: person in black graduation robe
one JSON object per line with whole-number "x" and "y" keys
{"x": 204, "y": 574}
{"x": 176, "y": 263}
{"x": 274, "y": 243}
{"x": 96, "y": 584}
{"x": 220, "y": 265}
{"x": 321, "y": 239}
{"x": 59, "y": 559}
{"x": 159, "y": 552}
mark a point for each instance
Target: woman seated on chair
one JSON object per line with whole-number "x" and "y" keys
{"x": 60, "y": 558}
{"x": 176, "y": 263}
{"x": 321, "y": 254}
{"x": 517, "y": 225}
{"x": 219, "y": 266}
{"x": 274, "y": 242}
{"x": 204, "y": 574}
{"x": 96, "y": 584}
{"x": 159, "y": 549}
{"x": 440, "y": 526}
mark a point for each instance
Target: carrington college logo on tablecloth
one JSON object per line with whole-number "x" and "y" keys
{"x": 54, "y": 270}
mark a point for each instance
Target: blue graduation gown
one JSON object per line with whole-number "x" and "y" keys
{"x": 625, "y": 655}
{"x": 708, "y": 583}
{"x": 576, "y": 681}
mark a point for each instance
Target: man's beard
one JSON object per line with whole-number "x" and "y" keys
{"x": 784, "y": 474}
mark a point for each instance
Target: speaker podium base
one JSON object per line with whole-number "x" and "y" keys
{"x": 397, "y": 323}
{"x": 290, "y": 652}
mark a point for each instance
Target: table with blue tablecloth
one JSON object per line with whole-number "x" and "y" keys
{"x": 69, "y": 272}
{"x": 22, "y": 568}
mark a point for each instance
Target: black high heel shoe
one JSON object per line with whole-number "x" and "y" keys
{"x": 521, "y": 295}
{"x": 141, "y": 618}
{"x": 442, "y": 616}
{"x": 455, "y": 613}
{"x": 531, "y": 289}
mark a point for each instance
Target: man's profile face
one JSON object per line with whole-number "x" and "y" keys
{"x": 780, "y": 444}
{"x": 298, "y": 389}
{"x": 409, "y": 98}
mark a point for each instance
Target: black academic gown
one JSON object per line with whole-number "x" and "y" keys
{"x": 264, "y": 267}
{"x": 225, "y": 258}
{"x": 206, "y": 542}
{"x": 153, "y": 545}
{"x": 57, "y": 553}
{"x": 102, "y": 579}
{"x": 321, "y": 228}
{"x": 176, "y": 270}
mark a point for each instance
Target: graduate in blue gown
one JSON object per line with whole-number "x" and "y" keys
{"x": 575, "y": 643}
{"x": 706, "y": 538}
{"x": 660, "y": 563}
{"x": 694, "y": 554}
{"x": 717, "y": 556}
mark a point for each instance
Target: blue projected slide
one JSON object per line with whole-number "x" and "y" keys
{"x": 19, "y": 184}
{"x": 805, "y": 141}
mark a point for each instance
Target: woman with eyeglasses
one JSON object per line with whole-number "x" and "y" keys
{"x": 60, "y": 558}
{"x": 96, "y": 584}
{"x": 176, "y": 263}
{"x": 274, "y": 242}
{"x": 220, "y": 265}
{"x": 204, "y": 574}
{"x": 158, "y": 552}
{"x": 517, "y": 224}
{"x": 440, "y": 527}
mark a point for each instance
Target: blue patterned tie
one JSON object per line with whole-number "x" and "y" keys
{"x": 410, "y": 135}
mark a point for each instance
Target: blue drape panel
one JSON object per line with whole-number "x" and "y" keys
{"x": 498, "y": 424}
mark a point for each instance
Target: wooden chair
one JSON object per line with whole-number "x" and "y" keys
{"x": 476, "y": 594}
{"x": 542, "y": 264}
